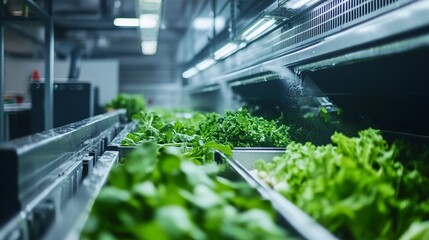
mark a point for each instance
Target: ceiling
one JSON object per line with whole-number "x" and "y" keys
{"x": 88, "y": 25}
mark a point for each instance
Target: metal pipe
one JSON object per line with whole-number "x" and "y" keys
{"x": 49, "y": 68}
{"x": 2, "y": 115}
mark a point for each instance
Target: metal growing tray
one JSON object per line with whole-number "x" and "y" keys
{"x": 70, "y": 227}
{"x": 242, "y": 162}
{"x": 77, "y": 211}
{"x": 116, "y": 142}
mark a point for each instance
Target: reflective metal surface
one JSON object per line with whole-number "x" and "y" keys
{"x": 73, "y": 218}
{"x": 116, "y": 142}
{"x": 2, "y": 74}
{"x": 242, "y": 162}
{"x": 33, "y": 165}
{"x": 49, "y": 63}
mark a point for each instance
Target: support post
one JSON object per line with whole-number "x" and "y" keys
{"x": 49, "y": 68}
{"x": 2, "y": 114}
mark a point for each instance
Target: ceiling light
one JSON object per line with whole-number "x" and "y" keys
{"x": 126, "y": 22}
{"x": 257, "y": 29}
{"x": 205, "y": 23}
{"x": 219, "y": 23}
{"x": 17, "y": 13}
{"x": 190, "y": 73}
{"x": 296, "y": 4}
{"x": 202, "y": 23}
{"x": 149, "y": 47}
{"x": 149, "y": 21}
{"x": 226, "y": 50}
{"x": 205, "y": 64}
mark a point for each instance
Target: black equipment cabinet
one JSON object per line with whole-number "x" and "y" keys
{"x": 72, "y": 102}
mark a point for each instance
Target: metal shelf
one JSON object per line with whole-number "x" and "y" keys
{"x": 43, "y": 14}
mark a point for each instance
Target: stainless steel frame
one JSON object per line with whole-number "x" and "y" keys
{"x": 44, "y": 14}
{"x": 242, "y": 162}
{"x": 2, "y": 115}
{"x": 45, "y": 170}
{"x": 71, "y": 223}
{"x": 116, "y": 142}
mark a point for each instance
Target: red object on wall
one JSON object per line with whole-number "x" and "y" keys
{"x": 35, "y": 76}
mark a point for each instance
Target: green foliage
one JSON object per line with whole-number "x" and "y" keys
{"x": 358, "y": 189}
{"x": 190, "y": 117}
{"x": 417, "y": 231}
{"x": 240, "y": 129}
{"x": 152, "y": 127}
{"x": 200, "y": 135}
{"x": 133, "y": 103}
{"x": 159, "y": 194}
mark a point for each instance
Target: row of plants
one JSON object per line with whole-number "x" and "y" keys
{"x": 158, "y": 193}
{"x": 169, "y": 187}
{"x": 357, "y": 187}
{"x": 233, "y": 128}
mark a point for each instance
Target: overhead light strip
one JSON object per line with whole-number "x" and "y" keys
{"x": 149, "y": 47}
{"x": 254, "y": 31}
{"x": 297, "y": 4}
{"x": 226, "y": 51}
{"x": 126, "y": 22}
{"x": 149, "y": 21}
{"x": 258, "y": 29}
{"x": 190, "y": 73}
{"x": 205, "y": 64}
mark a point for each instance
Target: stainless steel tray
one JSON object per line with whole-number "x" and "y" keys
{"x": 115, "y": 145}
{"x": 248, "y": 156}
{"x": 73, "y": 219}
{"x": 116, "y": 142}
{"x": 242, "y": 162}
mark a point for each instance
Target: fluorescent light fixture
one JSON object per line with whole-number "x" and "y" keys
{"x": 17, "y": 13}
{"x": 149, "y": 47}
{"x": 296, "y": 4}
{"x": 258, "y": 28}
{"x": 226, "y": 50}
{"x": 205, "y": 64}
{"x": 219, "y": 23}
{"x": 205, "y": 23}
{"x": 149, "y": 20}
{"x": 202, "y": 23}
{"x": 190, "y": 73}
{"x": 126, "y": 22}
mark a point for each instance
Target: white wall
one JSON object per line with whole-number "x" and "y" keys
{"x": 103, "y": 74}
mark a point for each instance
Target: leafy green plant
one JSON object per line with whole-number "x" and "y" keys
{"x": 133, "y": 103}
{"x": 240, "y": 129}
{"x": 152, "y": 127}
{"x": 168, "y": 129}
{"x": 357, "y": 188}
{"x": 190, "y": 117}
{"x": 159, "y": 194}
